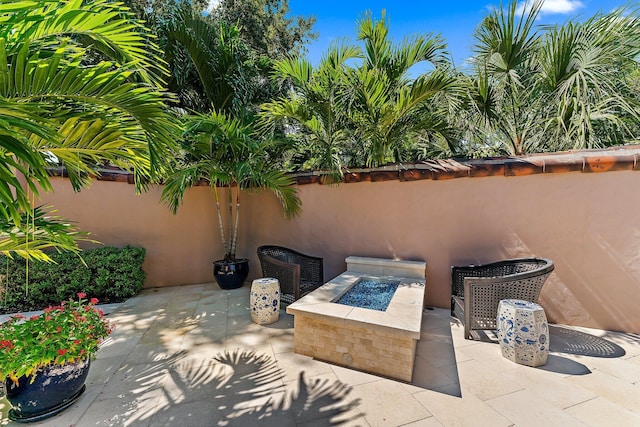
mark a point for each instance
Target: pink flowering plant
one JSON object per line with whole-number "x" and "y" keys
{"x": 69, "y": 332}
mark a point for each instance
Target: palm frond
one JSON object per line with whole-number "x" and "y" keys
{"x": 299, "y": 71}
{"x": 59, "y": 106}
{"x": 37, "y": 231}
{"x": 224, "y": 151}
{"x": 506, "y": 40}
{"x": 101, "y": 25}
{"x": 90, "y": 96}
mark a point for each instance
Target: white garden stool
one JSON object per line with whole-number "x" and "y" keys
{"x": 523, "y": 332}
{"x": 265, "y": 300}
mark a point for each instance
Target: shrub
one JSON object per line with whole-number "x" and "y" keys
{"x": 116, "y": 274}
{"x": 110, "y": 274}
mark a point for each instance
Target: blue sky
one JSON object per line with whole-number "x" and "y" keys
{"x": 454, "y": 20}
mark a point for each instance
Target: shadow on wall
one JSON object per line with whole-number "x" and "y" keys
{"x": 580, "y": 297}
{"x": 569, "y": 295}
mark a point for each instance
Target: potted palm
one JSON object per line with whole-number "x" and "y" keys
{"x": 223, "y": 152}
{"x": 44, "y": 360}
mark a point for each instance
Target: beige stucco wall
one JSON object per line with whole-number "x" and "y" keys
{"x": 586, "y": 223}
{"x": 179, "y": 248}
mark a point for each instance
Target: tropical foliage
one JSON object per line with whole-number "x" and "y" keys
{"x": 360, "y": 106}
{"x": 556, "y": 87}
{"x": 529, "y": 88}
{"x": 80, "y": 87}
{"x": 266, "y": 26}
{"x": 212, "y": 68}
{"x": 222, "y": 150}
{"x": 220, "y": 58}
{"x": 391, "y": 111}
{"x": 315, "y": 112}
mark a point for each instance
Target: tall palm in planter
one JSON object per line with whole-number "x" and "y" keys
{"x": 223, "y": 151}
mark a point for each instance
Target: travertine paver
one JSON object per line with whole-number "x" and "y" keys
{"x": 525, "y": 408}
{"x": 546, "y": 386}
{"x": 600, "y": 412}
{"x": 452, "y": 410}
{"x": 191, "y": 356}
{"x": 374, "y": 398}
{"x": 617, "y": 390}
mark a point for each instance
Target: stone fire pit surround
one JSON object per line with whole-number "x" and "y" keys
{"x": 379, "y": 342}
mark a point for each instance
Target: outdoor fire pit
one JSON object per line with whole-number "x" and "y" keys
{"x": 358, "y": 334}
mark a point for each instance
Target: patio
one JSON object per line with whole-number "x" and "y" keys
{"x": 191, "y": 356}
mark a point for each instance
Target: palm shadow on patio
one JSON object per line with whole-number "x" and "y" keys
{"x": 244, "y": 388}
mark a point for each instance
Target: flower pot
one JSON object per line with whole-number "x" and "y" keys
{"x": 55, "y": 388}
{"x": 231, "y": 274}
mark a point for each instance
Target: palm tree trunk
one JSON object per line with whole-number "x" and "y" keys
{"x": 229, "y": 254}
{"x": 518, "y": 146}
{"x": 235, "y": 226}
{"x": 219, "y": 210}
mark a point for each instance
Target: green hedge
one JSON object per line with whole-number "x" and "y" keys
{"x": 110, "y": 274}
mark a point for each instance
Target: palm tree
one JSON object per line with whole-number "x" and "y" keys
{"x": 505, "y": 52}
{"x": 223, "y": 151}
{"x": 563, "y": 87}
{"x": 360, "y": 106}
{"x": 80, "y": 86}
{"x": 214, "y": 51}
{"x": 315, "y": 111}
{"x": 212, "y": 67}
{"x": 586, "y": 68}
{"x": 389, "y": 109}
{"x": 219, "y": 142}
{"x": 368, "y": 112}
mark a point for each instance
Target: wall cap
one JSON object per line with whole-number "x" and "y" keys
{"x": 619, "y": 158}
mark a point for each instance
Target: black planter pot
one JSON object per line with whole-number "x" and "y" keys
{"x": 231, "y": 274}
{"x": 54, "y": 389}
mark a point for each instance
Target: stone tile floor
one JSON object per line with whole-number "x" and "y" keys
{"x": 191, "y": 356}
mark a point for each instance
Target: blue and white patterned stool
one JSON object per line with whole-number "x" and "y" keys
{"x": 265, "y": 300}
{"x": 523, "y": 332}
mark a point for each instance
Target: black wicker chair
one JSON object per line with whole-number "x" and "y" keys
{"x": 297, "y": 273}
{"x": 476, "y": 290}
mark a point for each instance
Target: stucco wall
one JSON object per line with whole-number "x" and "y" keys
{"x": 586, "y": 223}
{"x": 179, "y": 248}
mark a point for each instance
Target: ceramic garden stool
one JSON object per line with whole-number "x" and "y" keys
{"x": 265, "y": 300}
{"x": 523, "y": 332}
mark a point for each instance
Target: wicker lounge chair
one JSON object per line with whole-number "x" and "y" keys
{"x": 297, "y": 273}
{"x": 476, "y": 290}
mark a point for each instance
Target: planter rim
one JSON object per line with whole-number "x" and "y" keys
{"x": 235, "y": 261}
